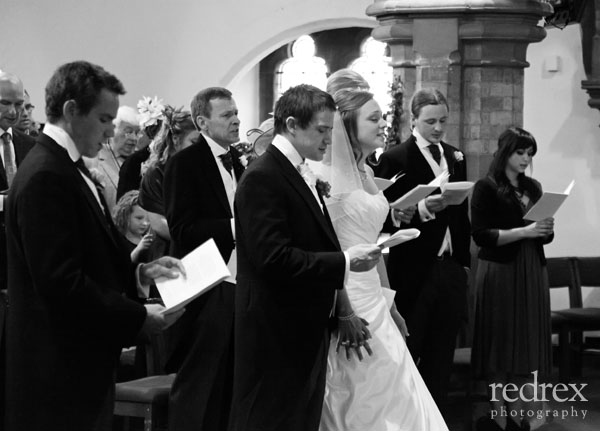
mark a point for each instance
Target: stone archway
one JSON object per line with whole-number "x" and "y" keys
{"x": 261, "y": 50}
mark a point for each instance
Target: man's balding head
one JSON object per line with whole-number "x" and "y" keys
{"x": 11, "y": 99}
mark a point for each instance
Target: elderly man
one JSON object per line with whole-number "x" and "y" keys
{"x": 15, "y": 146}
{"x": 112, "y": 155}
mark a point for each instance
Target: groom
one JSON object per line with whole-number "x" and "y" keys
{"x": 289, "y": 267}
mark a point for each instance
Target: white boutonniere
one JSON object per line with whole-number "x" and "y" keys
{"x": 314, "y": 180}
{"x": 458, "y": 156}
{"x": 243, "y": 160}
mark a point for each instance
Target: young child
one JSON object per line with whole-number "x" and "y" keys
{"x": 132, "y": 222}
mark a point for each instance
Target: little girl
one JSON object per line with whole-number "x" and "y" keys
{"x": 132, "y": 222}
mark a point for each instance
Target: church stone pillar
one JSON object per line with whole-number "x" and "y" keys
{"x": 474, "y": 52}
{"x": 590, "y": 25}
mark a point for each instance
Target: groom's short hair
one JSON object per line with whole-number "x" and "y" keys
{"x": 79, "y": 81}
{"x": 301, "y": 102}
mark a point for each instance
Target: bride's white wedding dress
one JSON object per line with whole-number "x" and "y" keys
{"x": 384, "y": 392}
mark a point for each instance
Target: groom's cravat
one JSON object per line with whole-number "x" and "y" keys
{"x": 227, "y": 161}
{"x": 310, "y": 179}
{"x": 80, "y": 164}
{"x": 435, "y": 152}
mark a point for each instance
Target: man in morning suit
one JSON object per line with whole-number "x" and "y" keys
{"x": 289, "y": 268}
{"x": 430, "y": 273}
{"x": 199, "y": 187}
{"x": 14, "y": 145}
{"x": 68, "y": 268}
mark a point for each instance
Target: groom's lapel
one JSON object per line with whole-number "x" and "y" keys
{"x": 296, "y": 180}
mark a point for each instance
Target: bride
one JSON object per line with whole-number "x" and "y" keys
{"x": 384, "y": 391}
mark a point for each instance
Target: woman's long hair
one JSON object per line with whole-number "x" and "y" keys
{"x": 509, "y": 142}
{"x": 349, "y": 103}
{"x": 176, "y": 125}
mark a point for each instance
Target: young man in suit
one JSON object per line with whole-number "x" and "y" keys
{"x": 199, "y": 187}
{"x": 289, "y": 268}
{"x": 429, "y": 273}
{"x": 68, "y": 268}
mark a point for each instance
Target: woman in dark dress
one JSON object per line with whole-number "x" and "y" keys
{"x": 177, "y": 132}
{"x": 512, "y": 335}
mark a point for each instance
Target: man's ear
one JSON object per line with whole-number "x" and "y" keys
{"x": 201, "y": 123}
{"x": 291, "y": 124}
{"x": 69, "y": 109}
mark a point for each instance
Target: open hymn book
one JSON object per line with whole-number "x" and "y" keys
{"x": 548, "y": 204}
{"x": 420, "y": 192}
{"x": 383, "y": 183}
{"x": 205, "y": 268}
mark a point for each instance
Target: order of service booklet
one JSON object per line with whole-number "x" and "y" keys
{"x": 204, "y": 267}
{"x": 383, "y": 183}
{"x": 455, "y": 193}
{"x": 548, "y": 204}
{"x": 420, "y": 192}
{"x": 399, "y": 237}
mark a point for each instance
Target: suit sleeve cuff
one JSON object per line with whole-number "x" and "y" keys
{"x": 395, "y": 222}
{"x": 347, "y": 267}
{"x": 424, "y": 212}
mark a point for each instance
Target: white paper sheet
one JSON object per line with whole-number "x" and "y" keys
{"x": 204, "y": 267}
{"x": 399, "y": 237}
{"x": 420, "y": 192}
{"x": 548, "y": 204}
{"x": 384, "y": 183}
{"x": 455, "y": 193}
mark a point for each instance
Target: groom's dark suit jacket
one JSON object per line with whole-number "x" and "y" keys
{"x": 409, "y": 263}
{"x": 197, "y": 209}
{"x": 289, "y": 265}
{"x": 68, "y": 318}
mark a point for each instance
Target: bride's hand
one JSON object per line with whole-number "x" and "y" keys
{"x": 353, "y": 334}
{"x": 401, "y": 324}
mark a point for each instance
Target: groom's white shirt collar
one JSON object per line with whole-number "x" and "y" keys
{"x": 288, "y": 150}
{"x": 62, "y": 138}
{"x": 216, "y": 149}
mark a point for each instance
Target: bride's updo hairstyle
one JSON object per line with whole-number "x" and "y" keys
{"x": 349, "y": 103}
{"x": 346, "y": 79}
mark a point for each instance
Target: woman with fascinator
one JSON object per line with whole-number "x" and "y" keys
{"x": 384, "y": 391}
{"x": 176, "y": 133}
